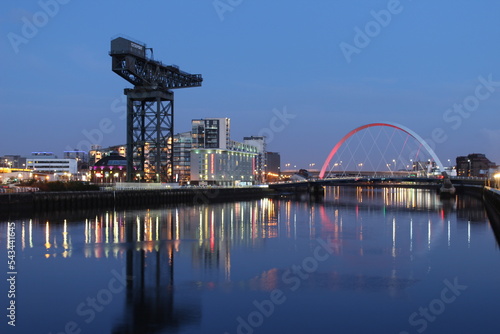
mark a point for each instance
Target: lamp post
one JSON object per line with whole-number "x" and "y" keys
{"x": 337, "y": 164}
{"x": 389, "y": 167}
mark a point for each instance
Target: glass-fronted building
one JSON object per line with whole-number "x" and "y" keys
{"x": 182, "y": 157}
{"x": 218, "y": 160}
{"x": 222, "y": 167}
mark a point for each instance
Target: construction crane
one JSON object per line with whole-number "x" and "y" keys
{"x": 150, "y": 109}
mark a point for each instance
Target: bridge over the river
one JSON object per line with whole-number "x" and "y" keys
{"x": 402, "y": 169}
{"x": 315, "y": 186}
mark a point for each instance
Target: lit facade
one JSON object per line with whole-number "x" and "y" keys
{"x": 211, "y": 133}
{"x": 222, "y": 167}
{"x": 260, "y": 159}
{"x": 475, "y": 164}
{"x": 110, "y": 169}
{"x": 97, "y": 152}
{"x": 215, "y": 159}
{"x": 52, "y": 165}
{"x": 182, "y": 157}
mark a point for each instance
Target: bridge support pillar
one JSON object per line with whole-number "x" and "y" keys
{"x": 315, "y": 189}
{"x": 447, "y": 189}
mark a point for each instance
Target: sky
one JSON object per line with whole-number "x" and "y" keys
{"x": 303, "y": 73}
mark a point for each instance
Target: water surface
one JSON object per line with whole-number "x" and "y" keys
{"x": 356, "y": 261}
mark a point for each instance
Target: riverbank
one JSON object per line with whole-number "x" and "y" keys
{"x": 491, "y": 198}
{"x": 22, "y": 204}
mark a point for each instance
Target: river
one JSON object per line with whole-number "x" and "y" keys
{"x": 358, "y": 260}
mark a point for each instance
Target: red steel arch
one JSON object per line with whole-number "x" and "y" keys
{"x": 391, "y": 125}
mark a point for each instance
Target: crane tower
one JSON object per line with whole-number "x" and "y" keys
{"x": 150, "y": 109}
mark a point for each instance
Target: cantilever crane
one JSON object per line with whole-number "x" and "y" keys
{"x": 150, "y": 109}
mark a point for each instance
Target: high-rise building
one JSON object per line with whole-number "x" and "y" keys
{"x": 210, "y": 133}
{"x": 218, "y": 160}
{"x": 273, "y": 166}
{"x": 260, "y": 159}
{"x": 182, "y": 157}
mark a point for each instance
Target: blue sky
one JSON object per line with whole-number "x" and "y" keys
{"x": 258, "y": 59}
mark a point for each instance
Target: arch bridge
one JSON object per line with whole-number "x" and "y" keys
{"x": 441, "y": 182}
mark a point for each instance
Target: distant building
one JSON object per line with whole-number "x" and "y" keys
{"x": 82, "y": 159}
{"x": 43, "y": 154}
{"x": 475, "y": 164}
{"x": 260, "y": 160}
{"x": 273, "y": 166}
{"x": 47, "y": 162}
{"x": 78, "y": 155}
{"x": 424, "y": 167}
{"x": 97, "y": 152}
{"x": 110, "y": 169}
{"x": 13, "y": 161}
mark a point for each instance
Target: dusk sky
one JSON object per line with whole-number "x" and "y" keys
{"x": 302, "y": 72}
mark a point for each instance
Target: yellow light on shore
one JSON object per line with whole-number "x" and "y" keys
{"x": 497, "y": 176}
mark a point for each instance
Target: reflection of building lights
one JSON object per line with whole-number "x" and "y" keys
{"x": 411, "y": 235}
{"x": 47, "y": 236}
{"x": 30, "y": 233}
{"x": 65, "y": 235}
{"x": 393, "y": 237}
{"x": 429, "y": 234}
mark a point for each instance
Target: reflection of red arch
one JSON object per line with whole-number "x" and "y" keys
{"x": 391, "y": 125}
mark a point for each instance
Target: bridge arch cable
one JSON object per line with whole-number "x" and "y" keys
{"x": 381, "y": 149}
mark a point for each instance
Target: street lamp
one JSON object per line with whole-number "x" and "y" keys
{"x": 389, "y": 167}
{"x": 360, "y": 166}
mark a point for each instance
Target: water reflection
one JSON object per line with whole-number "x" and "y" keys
{"x": 150, "y": 305}
{"x": 378, "y": 243}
